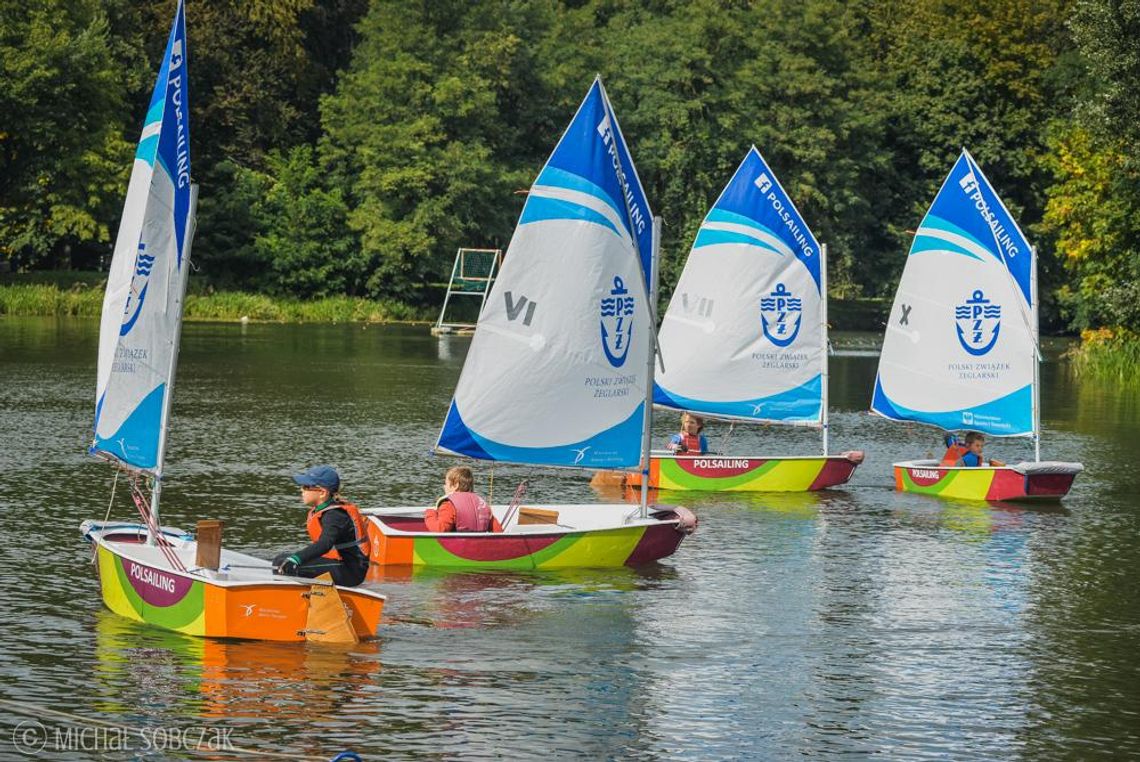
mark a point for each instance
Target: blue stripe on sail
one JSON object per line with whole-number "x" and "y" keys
{"x": 1007, "y": 416}
{"x": 707, "y": 237}
{"x": 756, "y": 198}
{"x": 588, "y": 149}
{"x": 617, "y": 447}
{"x": 560, "y": 178}
{"x": 136, "y": 441}
{"x": 147, "y": 149}
{"x": 967, "y": 201}
{"x": 936, "y": 222}
{"x": 456, "y": 437}
{"x": 732, "y": 218}
{"x": 925, "y": 243}
{"x": 99, "y": 408}
{"x": 541, "y": 208}
{"x": 174, "y": 137}
{"x": 801, "y": 404}
{"x": 154, "y": 113}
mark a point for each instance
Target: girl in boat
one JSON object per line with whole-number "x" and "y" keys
{"x": 460, "y": 509}
{"x": 690, "y": 440}
{"x": 340, "y": 545}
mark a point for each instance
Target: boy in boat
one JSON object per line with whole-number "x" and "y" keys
{"x": 339, "y": 534}
{"x": 690, "y": 440}
{"x": 460, "y": 509}
{"x": 972, "y": 458}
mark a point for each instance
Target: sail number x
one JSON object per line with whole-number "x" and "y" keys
{"x": 904, "y": 320}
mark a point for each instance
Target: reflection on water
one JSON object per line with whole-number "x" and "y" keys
{"x": 140, "y": 666}
{"x": 858, "y": 622}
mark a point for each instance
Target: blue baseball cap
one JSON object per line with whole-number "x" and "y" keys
{"x": 319, "y": 476}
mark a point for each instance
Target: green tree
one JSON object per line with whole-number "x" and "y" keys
{"x": 977, "y": 74}
{"x": 416, "y": 130}
{"x": 1094, "y": 204}
{"x": 257, "y": 71}
{"x": 304, "y": 244}
{"x": 63, "y": 158}
{"x": 229, "y": 221}
{"x": 696, "y": 83}
{"x": 1094, "y": 210}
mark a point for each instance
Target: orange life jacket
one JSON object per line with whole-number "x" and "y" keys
{"x": 692, "y": 443}
{"x": 472, "y": 514}
{"x": 953, "y": 454}
{"x": 313, "y": 525}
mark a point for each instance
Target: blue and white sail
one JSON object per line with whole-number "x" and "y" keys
{"x": 557, "y": 371}
{"x": 142, "y": 309}
{"x": 960, "y": 347}
{"x": 742, "y": 336}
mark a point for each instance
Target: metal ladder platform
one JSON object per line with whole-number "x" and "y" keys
{"x": 472, "y": 275}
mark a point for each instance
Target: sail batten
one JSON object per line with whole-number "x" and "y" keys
{"x": 959, "y": 350}
{"x": 741, "y": 337}
{"x": 142, "y": 306}
{"x": 557, "y": 370}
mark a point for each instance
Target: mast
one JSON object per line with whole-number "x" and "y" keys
{"x": 823, "y": 339}
{"x": 651, "y": 358}
{"x": 192, "y": 224}
{"x": 1036, "y": 396}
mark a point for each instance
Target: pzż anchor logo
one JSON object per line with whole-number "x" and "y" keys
{"x": 978, "y": 322}
{"x": 780, "y": 315}
{"x": 617, "y": 323}
{"x": 137, "y": 294}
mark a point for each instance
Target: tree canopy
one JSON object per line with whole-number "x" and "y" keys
{"x": 350, "y": 146}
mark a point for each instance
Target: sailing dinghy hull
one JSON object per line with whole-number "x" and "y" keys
{"x": 570, "y": 536}
{"x": 1048, "y": 480}
{"x": 719, "y": 473}
{"x": 245, "y": 600}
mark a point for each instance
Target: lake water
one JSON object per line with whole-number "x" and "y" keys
{"x": 856, "y": 622}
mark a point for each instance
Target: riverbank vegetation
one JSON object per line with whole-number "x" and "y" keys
{"x": 82, "y": 301}
{"x": 81, "y": 294}
{"x": 346, "y": 148}
{"x": 1111, "y": 354}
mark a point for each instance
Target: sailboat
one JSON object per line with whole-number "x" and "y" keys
{"x": 560, "y": 369}
{"x": 961, "y": 348}
{"x": 745, "y": 339}
{"x": 147, "y": 572}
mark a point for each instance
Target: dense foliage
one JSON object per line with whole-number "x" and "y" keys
{"x": 1093, "y": 209}
{"x": 349, "y": 146}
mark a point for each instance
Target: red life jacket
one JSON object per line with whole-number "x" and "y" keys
{"x": 472, "y": 514}
{"x": 313, "y": 525}
{"x": 692, "y": 443}
{"x": 953, "y": 453}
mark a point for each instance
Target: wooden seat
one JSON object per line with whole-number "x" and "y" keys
{"x": 537, "y": 516}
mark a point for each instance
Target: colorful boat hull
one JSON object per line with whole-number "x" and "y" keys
{"x": 1025, "y": 481}
{"x": 403, "y": 540}
{"x": 190, "y": 603}
{"x": 717, "y": 473}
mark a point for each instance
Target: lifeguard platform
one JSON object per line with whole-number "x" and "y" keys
{"x": 472, "y": 275}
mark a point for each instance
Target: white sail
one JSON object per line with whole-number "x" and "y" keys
{"x": 741, "y": 338}
{"x": 960, "y": 349}
{"x": 142, "y": 308}
{"x": 557, "y": 371}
